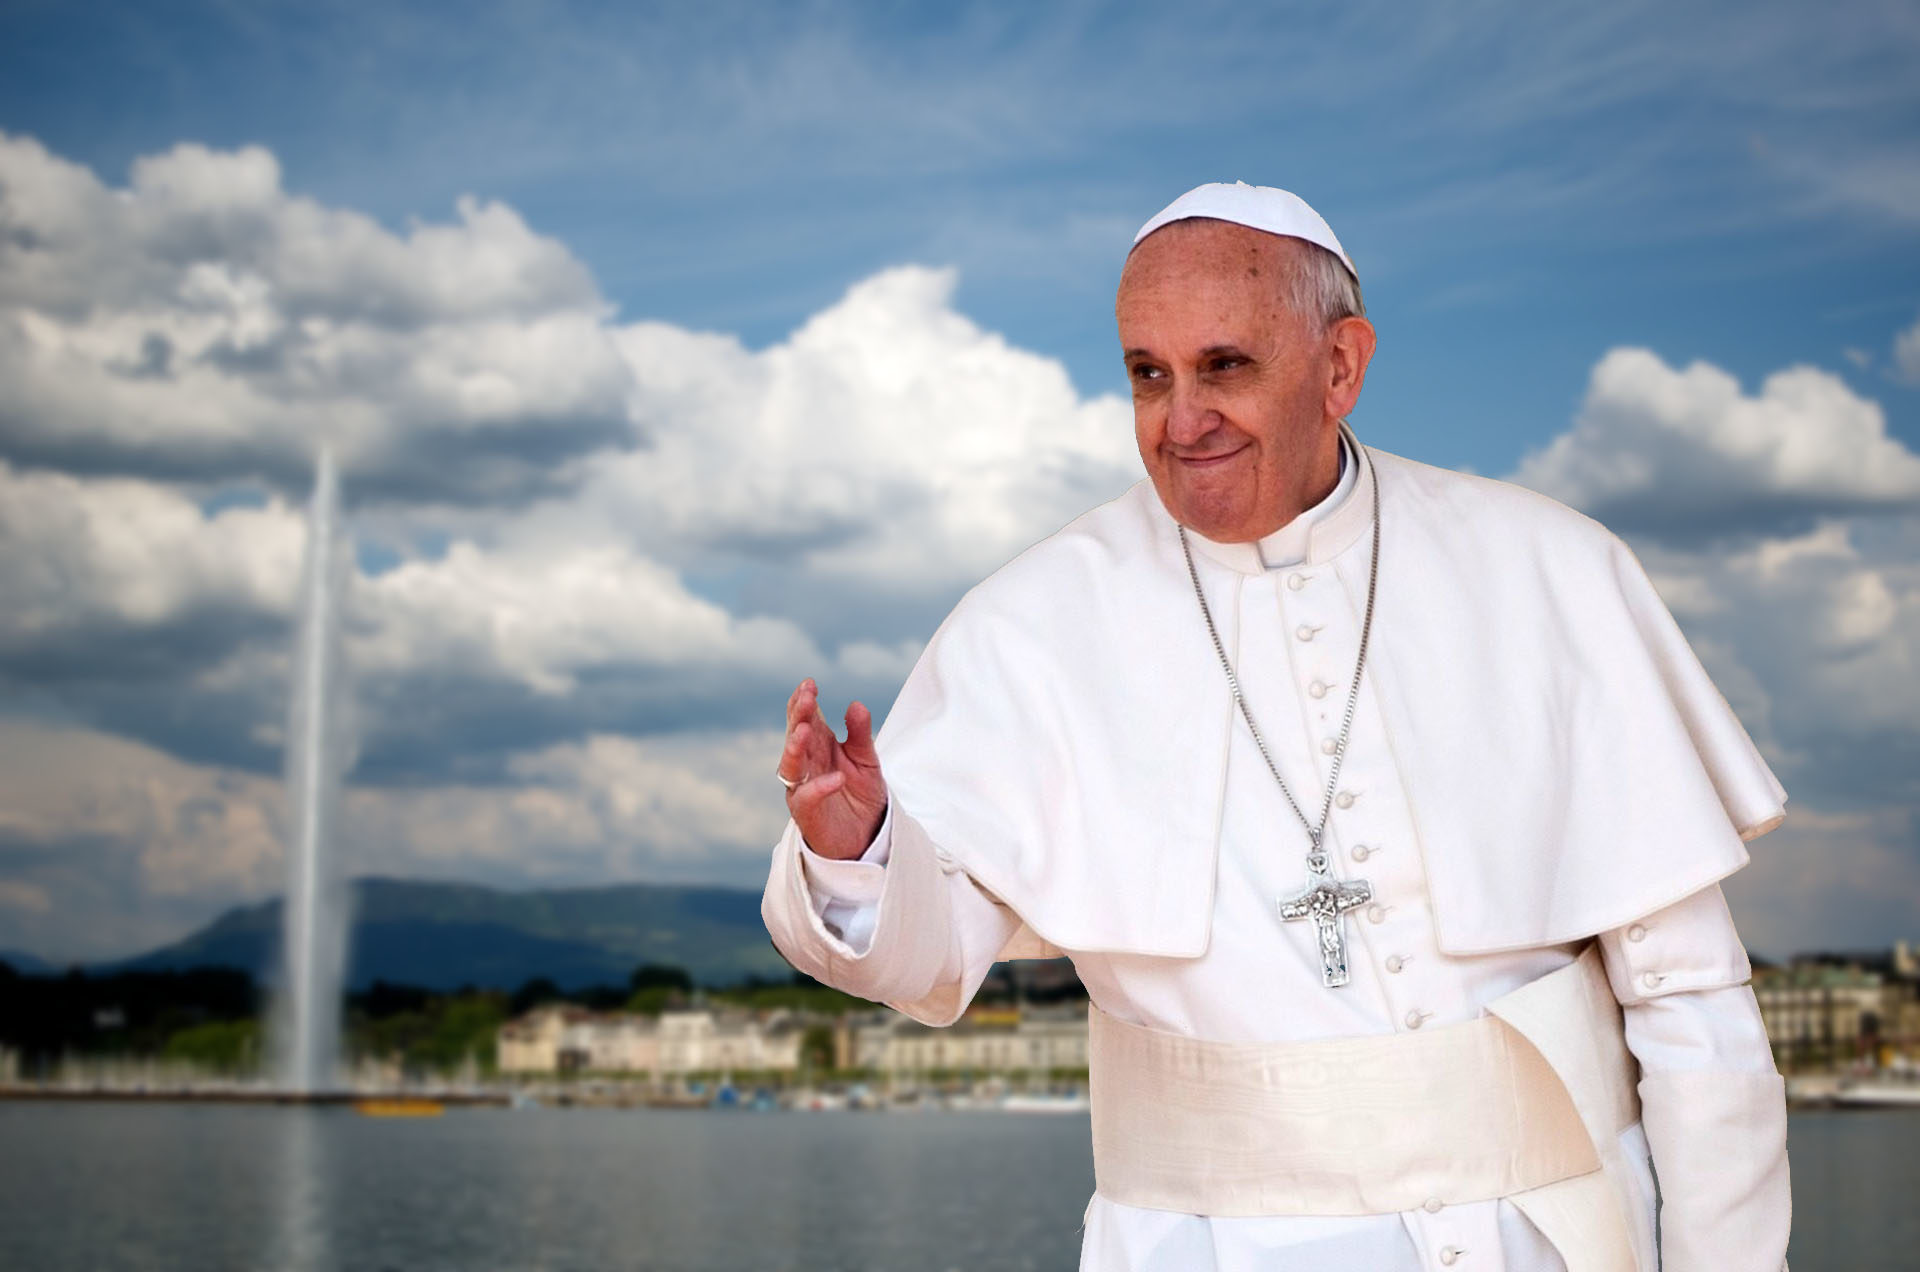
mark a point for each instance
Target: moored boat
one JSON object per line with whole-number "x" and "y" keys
{"x": 399, "y": 1106}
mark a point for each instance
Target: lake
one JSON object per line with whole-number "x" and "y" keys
{"x": 161, "y": 1187}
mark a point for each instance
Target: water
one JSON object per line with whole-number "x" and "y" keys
{"x": 307, "y": 1025}
{"x": 159, "y": 1188}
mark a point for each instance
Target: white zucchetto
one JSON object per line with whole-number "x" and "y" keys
{"x": 1256, "y": 207}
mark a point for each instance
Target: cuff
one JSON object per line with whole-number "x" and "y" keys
{"x": 851, "y": 880}
{"x": 1689, "y": 945}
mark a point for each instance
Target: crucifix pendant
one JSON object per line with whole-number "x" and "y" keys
{"x": 1325, "y": 901}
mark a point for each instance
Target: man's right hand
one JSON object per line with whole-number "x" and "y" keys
{"x": 838, "y": 798}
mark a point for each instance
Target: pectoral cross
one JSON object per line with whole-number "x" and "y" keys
{"x": 1325, "y": 901}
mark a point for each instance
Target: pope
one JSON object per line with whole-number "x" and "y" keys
{"x": 1382, "y": 810}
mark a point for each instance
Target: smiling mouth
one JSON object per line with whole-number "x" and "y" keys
{"x": 1208, "y": 461}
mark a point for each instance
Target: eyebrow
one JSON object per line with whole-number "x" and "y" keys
{"x": 1211, "y": 351}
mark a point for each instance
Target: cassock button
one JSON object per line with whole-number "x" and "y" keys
{"x": 1416, "y": 1018}
{"x": 1329, "y": 746}
{"x": 1636, "y": 933}
{"x": 1652, "y": 980}
{"x": 1433, "y": 1205}
{"x": 1305, "y": 631}
{"x": 1318, "y": 689}
{"x": 1296, "y": 581}
{"x": 1377, "y": 913}
{"x": 1395, "y": 963}
{"x": 1451, "y": 1255}
{"x": 1343, "y": 800}
{"x": 1361, "y": 852}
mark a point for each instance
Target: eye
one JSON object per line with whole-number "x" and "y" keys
{"x": 1145, "y": 371}
{"x": 1226, "y": 362}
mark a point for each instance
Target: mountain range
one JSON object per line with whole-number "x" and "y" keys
{"x": 445, "y": 935}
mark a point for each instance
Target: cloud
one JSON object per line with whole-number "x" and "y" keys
{"x": 1686, "y": 454}
{"x": 203, "y": 324}
{"x": 544, "y": 620}
{"x": 1814, "y": 640}
{"x": 109, "y": 847}
{"x": 1769, "y": 523}
{"x": 123, "y": 594}
{"x": 889, "y": 440}
{"x": 1830, "y": 881}
{"x": 126, "y": 845}
{"x": 81, "y": 557}
{"x": 748, "y": 516}
{"x": 1906, "y": 355}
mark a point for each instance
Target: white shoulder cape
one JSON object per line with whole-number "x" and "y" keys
{"x": 1569, "y": 765}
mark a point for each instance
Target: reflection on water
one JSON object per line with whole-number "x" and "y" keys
{"x": 297, "y": 1239}
{"x": 165, "y": 1187}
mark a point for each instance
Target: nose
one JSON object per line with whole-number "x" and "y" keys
{"x": 1189, "y": 418}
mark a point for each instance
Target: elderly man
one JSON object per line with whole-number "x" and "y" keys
{"x": 1380, "y": 808}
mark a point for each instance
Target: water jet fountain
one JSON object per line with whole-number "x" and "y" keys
{"x": 308, "y": 1010}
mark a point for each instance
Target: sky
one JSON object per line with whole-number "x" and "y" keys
{"x": 674, "y": 352}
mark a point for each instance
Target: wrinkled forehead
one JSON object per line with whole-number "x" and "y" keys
{"x": 1200, "y": 252}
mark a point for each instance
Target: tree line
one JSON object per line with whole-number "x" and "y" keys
{"x": 216, "y": 1018}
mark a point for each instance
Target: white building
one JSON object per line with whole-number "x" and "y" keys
{"x": 531, "y": 1043}
{"x": 563, "y": 1039}
{"x": 985, "y": 1040}
{"x": 1821, "y": 1014}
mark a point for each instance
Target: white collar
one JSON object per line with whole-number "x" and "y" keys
{"x": 1317, "y": 535}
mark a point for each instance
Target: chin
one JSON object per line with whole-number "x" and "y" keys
{"x": 1227, "y": 524}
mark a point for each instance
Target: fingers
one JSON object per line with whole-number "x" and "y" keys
{"x": 807, "y": 797}
{"x": 793, "y": 756}
{"x": 802, "y": 703}
{"x": 811, "y": 783}
{"x": 810, "y": 746}
{"x": 859, "y": 744}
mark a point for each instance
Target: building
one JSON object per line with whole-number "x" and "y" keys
{"x": 705, "y": 1041}
{"x": 532, "y": 1043}
{"x": 567, "y": 1039}
{"x": 1824, "y": 1012}
{"x": 985, "y": 1040}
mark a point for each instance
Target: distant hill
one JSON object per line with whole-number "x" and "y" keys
{"x": 26, "y": 964}
{"x": 444, "y": 935}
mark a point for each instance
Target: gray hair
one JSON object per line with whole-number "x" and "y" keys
{"x": 1320, "y": 287}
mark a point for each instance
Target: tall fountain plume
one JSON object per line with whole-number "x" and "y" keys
{"x": 309, "y": 1006}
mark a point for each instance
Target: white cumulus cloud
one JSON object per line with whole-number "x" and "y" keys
{"x": 1685, "y": 452}
{"x": 202, "y": 322}
{"x": 79, "y": 555}
{"x": 889, "y": 440}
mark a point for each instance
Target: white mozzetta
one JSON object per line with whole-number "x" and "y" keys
{"x": 1567, "y": 764}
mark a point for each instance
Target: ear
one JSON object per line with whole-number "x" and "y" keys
{"x": 1349, "y": 350}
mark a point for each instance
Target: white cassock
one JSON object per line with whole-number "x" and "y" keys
{"x": 1536, "y": 761}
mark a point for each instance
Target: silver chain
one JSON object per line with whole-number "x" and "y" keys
{"x": 1316, "y": 855}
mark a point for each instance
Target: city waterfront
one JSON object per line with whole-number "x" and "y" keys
{"x": 161, "y": 1187}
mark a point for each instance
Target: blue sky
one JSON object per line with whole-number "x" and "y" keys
{"x": 681, "y": 219}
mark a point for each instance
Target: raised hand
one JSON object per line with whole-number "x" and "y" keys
{"x": 835, "y": 792}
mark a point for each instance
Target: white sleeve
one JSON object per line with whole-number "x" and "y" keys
{"x": 928, "y": 932}
{"x": 1711, "y": 1103}
{"x": 846, "y": 891}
